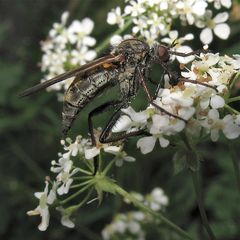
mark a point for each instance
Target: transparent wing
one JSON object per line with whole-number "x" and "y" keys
{"x": 80, "y": 71}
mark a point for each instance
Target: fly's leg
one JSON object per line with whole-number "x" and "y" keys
{"x": 105, "y": 135}
{"x": 174, "y": 78}
{"x": 102, "y": 108}
{"x": 151, "y": 99}
{"x": 196, "y": 82}
{"x": 181, "y": 54}
{"x": 159, "y": 84}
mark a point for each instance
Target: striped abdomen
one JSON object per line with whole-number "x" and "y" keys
{"x": 81, "y": 92}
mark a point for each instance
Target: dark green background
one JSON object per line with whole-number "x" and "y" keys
{"x": 30, "y": 135}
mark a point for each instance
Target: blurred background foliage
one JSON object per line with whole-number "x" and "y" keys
{"x": 30, "y": 134}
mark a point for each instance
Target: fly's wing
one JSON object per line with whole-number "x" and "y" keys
{"x": 103, "y": 61}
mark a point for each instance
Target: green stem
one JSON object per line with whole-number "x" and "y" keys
{"x": 231, "y": 109}
{"x": 234, "y": 99}
{"x": 203, "y": 214}
{"x": 105, "y": 43}
{"x": 75, "y": 194}
{"x": 234, "y": 80}
{"x": 235, "y": 165}
{"x": 81, "y": 184}
{"x": 157, "y": 215}
{"x": 82, "y": 178}
{"x": 85, "y": 172}
{"x": 198, "y": 191}
{"x": 108, "y": 167}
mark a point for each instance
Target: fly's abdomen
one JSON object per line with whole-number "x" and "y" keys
{"x": 80, "y": 93}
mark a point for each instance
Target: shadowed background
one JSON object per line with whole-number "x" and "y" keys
{"x": 30, "y": 133}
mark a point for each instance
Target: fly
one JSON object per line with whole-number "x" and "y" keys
{"x": 127, "y": 66}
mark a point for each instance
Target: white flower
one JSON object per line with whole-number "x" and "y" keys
{"x": 115, "y": 17}
{"x": 73, "y": 148}
{"x": 146, "y": 144}
{"x": 157, "y": 24}
{"x": 117, "y": 39}
{"x": 140, "y": 24}
{"x": 79, "y": 31}
{"x": 225, "y": 3}
{"x": 94, "y": 151}
{"x": 133, "y": 121}
{"x": 156, "y": 200}
{"x": 82, "y": 55}
{"x": 190, "y": 8}
{"x": 221, "y": 29}
{"x": 136, "y": 8}
{"x": 133, "y": 227}
{"x": 57, "y": 27}
{"x": 122, "y": 156}
{"x": 45, "y": 198}
{"x": 67, "y": 47}
{"x": 213, "y": 123}
{"x": 65, "y": 217}
{"x": 65, "y": 180}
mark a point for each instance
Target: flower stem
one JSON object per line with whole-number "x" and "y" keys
{"x": 157, "y": 215}
{"x": 105, "y": 42}
{"x": 234, "y": 99}
{"x": 75, "y": 194}
{"x": 202, "y": 211}
{"x": 197, "y": 188}
{"x": 235, "y": 165}
{"x": 231, "y": 109}
{"x": 235, "y": 79}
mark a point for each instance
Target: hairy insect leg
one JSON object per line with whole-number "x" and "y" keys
{"x": 196, "y": 82}
{"x": 151, "y": 99}
{"x": 105, "y": 135}
{"x": 102, "y": 108}
{"x": 159, "y": 84}
{"x": 181, "y": 54}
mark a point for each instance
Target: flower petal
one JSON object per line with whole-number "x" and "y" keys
{"x": 222, "y": 30}
{"x": 146, "y": 144}
{"x": 217, "y": 102}
{"x": 206, "y": 36}
{"x": 221, "y": 17}
{"x": 91, "y": 152}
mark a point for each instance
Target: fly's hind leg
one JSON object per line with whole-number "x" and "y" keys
{"x": 105, "y": 136}
{"x": 102, "y": 108}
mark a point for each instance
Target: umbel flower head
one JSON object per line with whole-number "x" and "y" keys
{"x": 203, "y": 106}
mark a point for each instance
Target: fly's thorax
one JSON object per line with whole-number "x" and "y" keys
{"x": 133, "y": 49}
{"x": 127, "y": 81}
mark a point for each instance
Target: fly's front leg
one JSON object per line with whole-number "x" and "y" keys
{"x": 151, "y": 99}
{"x": 181, "y": 54}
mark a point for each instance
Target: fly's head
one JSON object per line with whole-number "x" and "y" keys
{"x": 160, "y": 54}
{"x": 134, "y": 50}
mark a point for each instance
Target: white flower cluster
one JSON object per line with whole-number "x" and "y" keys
{"x": 202, "y": 102}
{"x": 153, "y": 19}
{"x": 67, "y": 48}
{"x": 66, "y": 169}
{"x": 130, "y": 225}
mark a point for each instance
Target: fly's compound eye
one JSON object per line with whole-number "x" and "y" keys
{"x": 163, "y": 53}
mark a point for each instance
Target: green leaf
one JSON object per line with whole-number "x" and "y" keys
{"x": 180, "y": 161}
